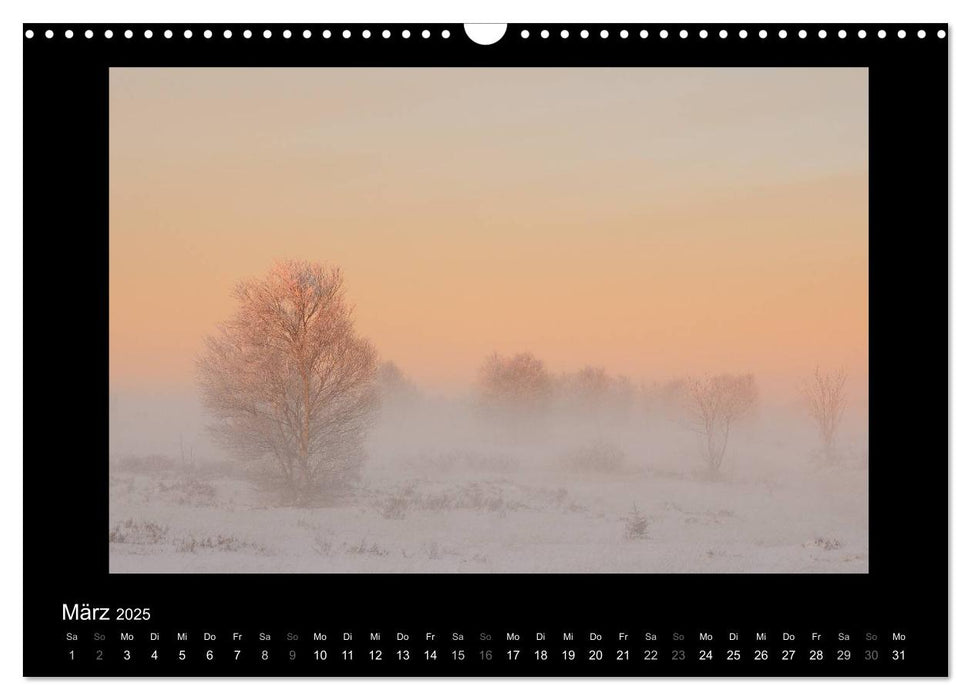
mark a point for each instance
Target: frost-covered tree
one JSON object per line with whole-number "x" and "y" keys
{"x": 825, "y": 394}
{"x": 715, "y": 404}
{"x": 287, "y": 379}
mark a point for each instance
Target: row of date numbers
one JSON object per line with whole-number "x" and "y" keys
{"x": 512, "y": 655}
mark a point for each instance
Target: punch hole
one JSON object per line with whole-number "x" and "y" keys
{"x": 484, "y": 34}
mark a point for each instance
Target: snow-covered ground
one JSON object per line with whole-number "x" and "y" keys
{"x": 465, "y": 512}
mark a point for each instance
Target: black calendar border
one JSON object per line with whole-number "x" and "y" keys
{"x": 66, "y": 351}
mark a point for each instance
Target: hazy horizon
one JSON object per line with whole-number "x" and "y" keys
{"x": 655, "y": 222}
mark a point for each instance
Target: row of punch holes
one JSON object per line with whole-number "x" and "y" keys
{"x": 524, "y": 34}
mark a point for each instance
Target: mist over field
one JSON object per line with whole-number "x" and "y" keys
{"x": 609, "y": 483}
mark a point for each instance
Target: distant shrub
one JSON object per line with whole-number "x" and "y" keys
{"x": 515, "y": 395}
{"x": 395, "y": 507}
{"x": 150, "y": 464}
{"x": 515, "y": 382}
{"x": 463, "y": 460}
{"x": 598, "y": 456}
{"x": 433, "y": 551}
{"x": 189, "y": 491}
{"x": 635, "y": 524}
{"x": 394, "y": 388}
{"x": 323, "y": 546}
{"x": 477, "y": 496}
{"x": 371, "y": 549}
{"x": 134, "y": 532}
{"x": 221, "y": 543}
{"x": 594, "y": 394}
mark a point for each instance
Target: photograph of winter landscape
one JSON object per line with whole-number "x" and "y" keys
{"x": 488, "y": 320}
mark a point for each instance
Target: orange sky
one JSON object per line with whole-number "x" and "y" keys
{"x": 657, "y": 222}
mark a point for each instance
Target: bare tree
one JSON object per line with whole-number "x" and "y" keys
{"x": 825, "y": 394}
{"x": 288, "y": 379}
{"x": 715, "y": 404}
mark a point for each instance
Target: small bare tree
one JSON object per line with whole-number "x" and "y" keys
{"x": 825, "y": 394}
{"x": 715, "y": 404}
{"x": 288, "y": 379}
